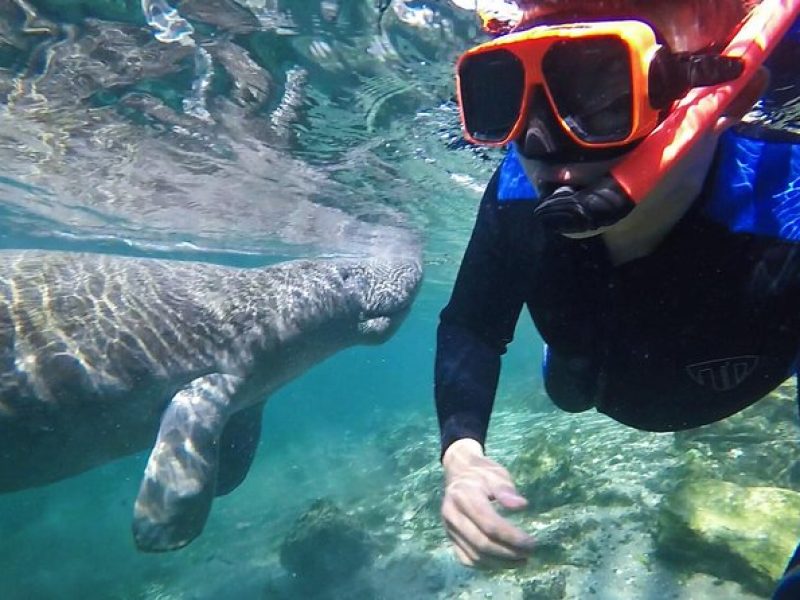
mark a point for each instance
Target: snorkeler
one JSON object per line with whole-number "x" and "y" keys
{"x": 655, "y": 247}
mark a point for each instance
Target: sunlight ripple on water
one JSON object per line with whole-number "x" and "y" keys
{"x": 251, "y": 126}
{"x": 236, "y": 126}
{"x": 167, "y": 23}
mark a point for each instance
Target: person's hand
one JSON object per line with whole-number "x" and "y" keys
{"x": 474, "y": 487}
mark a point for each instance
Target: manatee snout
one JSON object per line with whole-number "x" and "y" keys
{"x": 384, "y": 290}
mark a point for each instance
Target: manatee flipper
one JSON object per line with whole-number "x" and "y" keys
{"x": 237, "y": 448}
{"x": 180, "y": 478}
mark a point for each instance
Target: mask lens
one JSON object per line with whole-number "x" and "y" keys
{"x": 590, "y": 83}
{"x": 491, "y": 88}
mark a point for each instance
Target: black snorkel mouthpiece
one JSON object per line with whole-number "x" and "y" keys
{"x": 578, "y": 211}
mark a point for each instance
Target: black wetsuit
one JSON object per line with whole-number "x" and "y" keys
{"x": 702, "y": 327}
{"x": 705, "y": 325}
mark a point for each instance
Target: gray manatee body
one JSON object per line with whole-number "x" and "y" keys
{"x": 103, "y": 356}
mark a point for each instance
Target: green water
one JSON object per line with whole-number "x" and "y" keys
{"x": 289, "y": 129}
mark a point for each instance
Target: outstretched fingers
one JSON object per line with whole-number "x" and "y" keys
{"x": 481, "y": 536}
{"x": 476, "y": 549}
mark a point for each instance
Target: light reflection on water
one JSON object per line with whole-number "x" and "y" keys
{"x": 255, "y": 126}
{"x": 236, "y": 126}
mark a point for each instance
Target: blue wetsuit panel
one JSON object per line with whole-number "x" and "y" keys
{"x": 514, "y": 184}
{"x": 756, "y": 187}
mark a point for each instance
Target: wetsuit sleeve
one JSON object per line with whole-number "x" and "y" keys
{"x": 477, "y": 324}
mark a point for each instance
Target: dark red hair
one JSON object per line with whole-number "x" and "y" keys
{"x": 714, "y": 20}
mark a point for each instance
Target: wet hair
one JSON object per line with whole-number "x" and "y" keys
{"x": 712, "y": 8}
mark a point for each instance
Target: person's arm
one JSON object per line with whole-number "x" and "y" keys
{"x": 478, "y": 321}
{"x": 475, "y": 328}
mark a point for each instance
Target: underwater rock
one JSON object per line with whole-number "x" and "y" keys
{"x": 543, "y": 474}
{"x": 409, "y": 446}
{"x": 551, "y": 585}
{"x": 252, "y": 84}
{"x": 325, "y": 547}
{"x": 406, "y": 576}
{"x": 409, "y": 454}
{"x": 567, "y": 536}
{"x": 75, "y": 11}
{"x": 737, "y": 533}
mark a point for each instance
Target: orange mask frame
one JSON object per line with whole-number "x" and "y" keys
{"x": 526, "y": 52}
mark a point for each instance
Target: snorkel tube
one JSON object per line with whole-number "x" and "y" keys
{"x": 700, "y": 109}
{"x": 635, "y": 176}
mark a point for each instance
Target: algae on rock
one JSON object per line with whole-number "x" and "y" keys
{"x": 745, "y": 534}
{"x": 543, "y": 473}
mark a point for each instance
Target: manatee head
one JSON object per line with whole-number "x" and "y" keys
{"x": 382, "y": 291}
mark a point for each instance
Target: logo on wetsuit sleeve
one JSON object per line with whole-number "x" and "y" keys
{"x": 723, "y": 374}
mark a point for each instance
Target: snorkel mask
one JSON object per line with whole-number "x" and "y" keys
{"x": 598, "y": 89}
{"x": 578, "y": 88}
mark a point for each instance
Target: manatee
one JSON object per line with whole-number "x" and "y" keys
{"x": 102, "y": 356}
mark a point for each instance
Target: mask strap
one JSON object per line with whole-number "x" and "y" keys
{"x": 673, "y": 75}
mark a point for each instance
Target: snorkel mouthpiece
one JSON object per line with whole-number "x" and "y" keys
{"x": 634, "y": 178}
{"x": 576, "y": 211}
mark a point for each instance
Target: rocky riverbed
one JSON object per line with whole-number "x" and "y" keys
{"x": 617, "y": 513}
